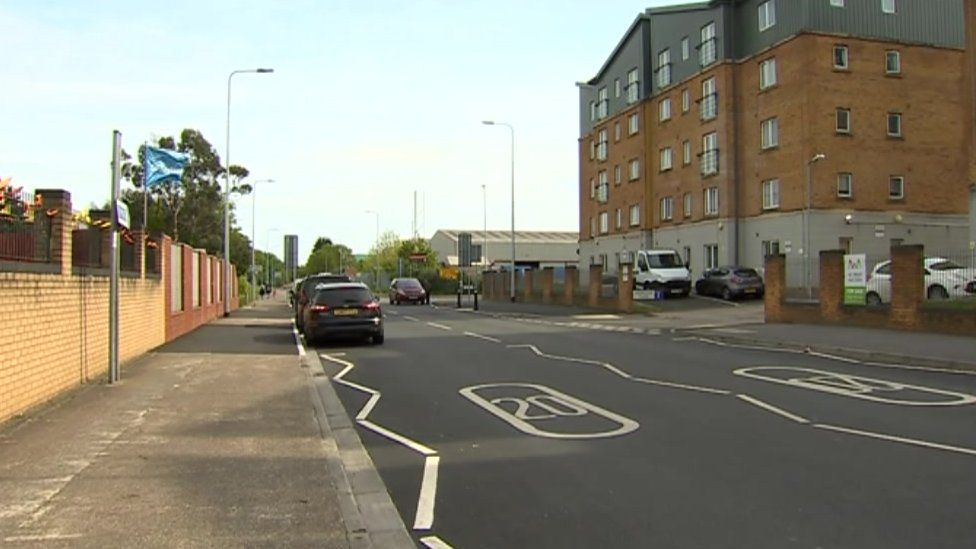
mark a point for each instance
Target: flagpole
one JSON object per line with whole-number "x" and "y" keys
{"x": 145, "y": 211}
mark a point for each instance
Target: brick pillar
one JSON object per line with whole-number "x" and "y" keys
{"x": 165, "y": 248}
{"x": 596, "y": 280}
{"x": 625, "y": 287}
{"x": 831, "y": 284}
{"x": 527, "y": 286}
{"x": 969, "y": 84}
{"x": 775, "y": 269}
{"x": 907, "y": 285}
{"x": 570, "y": 284}
{"x": 140, "y": 251}
{"x": 545, "y": 280}
{"x": 54, "y": 240}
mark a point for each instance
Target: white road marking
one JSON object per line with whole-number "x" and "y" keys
{"x": 484, "y": 337}
{"x": 298, "y": 341}
{"x": 397, "y": 437}
{"x": 773, "y": 409}
{"x": 597, "y": 317}
{"x": 41, "y": 537}
{"x": 621, "y": 373}
{"x": 424, "y": 519}
{"x": 903, "y": 440}
{"x": 411, "y": 318}
{"x": 439, "y": 326}
{"x": 434, "y": 542}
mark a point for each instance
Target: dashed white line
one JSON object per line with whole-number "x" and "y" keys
{"x": 770, "y": 408}
{"x": 428, "y": 494}
{"x": 411, "y": 318}
{"x": 903, "y": 440}
{"x": 484, "y": 337}
{"x": 439, "y": 326}
{"x": 434, "y": 542}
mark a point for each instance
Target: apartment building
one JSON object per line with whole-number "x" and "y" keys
{"x": 778, "y": 126}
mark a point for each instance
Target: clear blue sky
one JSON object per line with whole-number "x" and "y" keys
{"x": 369, "y": 102}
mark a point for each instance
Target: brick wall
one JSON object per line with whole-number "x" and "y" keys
{"x": 969, "y": 83}
{"x": 58, "y": 317}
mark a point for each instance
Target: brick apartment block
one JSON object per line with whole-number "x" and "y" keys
{"x": 736, "y": 98}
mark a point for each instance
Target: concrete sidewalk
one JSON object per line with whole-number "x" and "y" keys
{"x": 212, "y": 440}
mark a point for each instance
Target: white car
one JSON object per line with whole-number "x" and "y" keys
{"x": 943, "y": 279}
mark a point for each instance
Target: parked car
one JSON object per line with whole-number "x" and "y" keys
{"x": 943, "y": 279}
{"x": 343, "y": 310}
{"x": 662, "y": 270}
{"x": 730, "y": 282}
{"x": 408, "y": 290}
{"x": 304, "y": 293}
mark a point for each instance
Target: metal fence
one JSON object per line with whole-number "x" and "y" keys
{"x": 86, "y": 248}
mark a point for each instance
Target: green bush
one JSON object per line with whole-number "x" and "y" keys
{"x": 245, "y": 291}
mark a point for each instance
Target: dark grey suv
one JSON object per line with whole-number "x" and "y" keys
{"x": 305, "y": 290}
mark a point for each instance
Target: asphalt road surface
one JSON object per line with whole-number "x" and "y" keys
{"x": 503, "y": 433}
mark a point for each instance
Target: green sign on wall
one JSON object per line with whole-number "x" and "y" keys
{"x": 855, "y": 279}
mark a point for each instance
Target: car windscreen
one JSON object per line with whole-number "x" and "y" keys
{"x": 341, "y": 297}
{"x": 945, "y": 266}
{"x": 408, "y": 283}
{"x": 746, "y": 273}
{"x": 309, "y": 284}
{"x": 664, "y": 261}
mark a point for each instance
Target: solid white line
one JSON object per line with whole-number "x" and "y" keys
{"x": 434, "y": 542}
{"x": 914, "y": 442}
{"x": 771, "y": 408}
{"x": 298, "y": 340}
{"x": 397, "y": 437}
{"x": 411, "y": 318}
{"x": 439, "y": 326}
{"x": 484, "y": 337}
{"x": 364, "y": 413}
{"x": 424, "y": 519}
{"x": 42, "y": 537}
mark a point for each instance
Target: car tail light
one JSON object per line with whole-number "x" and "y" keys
{"x": 372, "y": 306}
{"x": 319, "y": 308}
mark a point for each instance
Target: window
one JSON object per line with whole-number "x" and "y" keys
{"x": 687, "y": 205}
{"x": 592, "y": 227}
{"x": 767, "y": 15}
{"x": 602, "y": 187}
{"x": 888, "y": 6}
{"x": 592, "y": 150}
{"x": 843, "y": 120}
{"x": 894, "y": 124}
{"x": 686, "y": 153}
{"x": 770, "y": 194}
{"x": 616, "y": 131}
{"x": 633, "y": 124}
{"x": 634, "y": 169}
{"x": 664, "y": 109}
{"x": 634, "y": 215}
{"x": 616, "y": 174}
{"x": 896, "y": 187}
{"x": 709, "y": 155}
{"x": 711, "y": 201}
{"x": 592, "y": 111}
{"x": 601, "y": 146}
{"x": 667, "y": 208}
{"x": 711, "y": 256}
{"x": 837, "y": 3}
{"x": 845, "y": 185}
{"x": 767, "y": 73}
{"x": 604, "y": 222}
{"x": 709, "y": 101}
{"x": 592, "y": 188}
{"x": 685, "y": 100}
{"x": 602, "y": 103}
{"x": 616, "y": 87}
{"x": 770, "y": 133}
{"x": 706, "y": 51}
{"x": 632, "y": 86}
{"x": 620, "y": 219}
{"x": 770, "y": 247}
{"x": 685, "y": 50}
{"x": 892, "y": 62}
{"x": 664, "y": 68}
{"x": 840, "y": 57}
{"x": 665, "y": 159}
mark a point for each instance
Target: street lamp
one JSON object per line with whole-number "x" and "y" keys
{"x": 806, "y": 224}
{"x": 227, "y": 190}
{"x": 484, "y": 242}
{"x": 267, "y": 254}
{"x": 512, "y": 133}
{"x": 254, "y": 234}
{"x": 376, "y": 258}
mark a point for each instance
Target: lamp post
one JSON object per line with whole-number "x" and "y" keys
{"x": 512, "y": 133}
{"x": 376, "y": 258}
{"x": 484, "y": 241}
{"x": 254, "y": 234}
{"x": 267, "y": 254}
{"x": 227, "y": 190}
{"x": 806, "y": 224}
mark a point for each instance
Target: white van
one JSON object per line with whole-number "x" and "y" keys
{"x": 661, "y": 270}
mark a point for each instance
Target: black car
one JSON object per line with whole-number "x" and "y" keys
{"x": 730, "y": 282}
{"x": 305, "y": 290}
{"x": 343, "y": 310}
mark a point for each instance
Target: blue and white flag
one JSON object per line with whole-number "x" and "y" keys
{"x": 163, "y": 165}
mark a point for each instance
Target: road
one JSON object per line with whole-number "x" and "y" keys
{"x": 493, "y": 432}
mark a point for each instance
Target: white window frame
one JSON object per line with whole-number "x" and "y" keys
{"x": 616, "y": 131}
{"x": 616, "y": 175}
{"x": 767, "y": 73}
{"x": 619, "y": 219}
{"x": 664, "y": 68}
{"x": 770, "y": 194}
{"x": 709, "y": 100}
{"x": 592, "y": 227}
{"x": 667, "y": 208}
{"x": 686, "y": 152}
{"x": 845, "y": 61}
{"x": 685, "y": 100}
{"x": 767, "y": 15}
{"x": 711, "y": 256}
{"x": 709, "y": 156}
{"x": 601, "y": 146}
{"x": 633, "y": 123}
{"x": 592, "y": 188}
{"x": 616, "y": 88}
{"x": 666, "y": 156}
{"x": 604, "y": 222}
{"x": 603, "y": 103}
{"x": 837, "y": 3}
{"x": 845, "y": 114}
{"x": 664, "y": 109}
{"x": 845, "y": 179}
{"x": 893, "y": 68}
{"x": 686, "y": 211}
{"x": 685, "y": 49}
{"x": 711, "y": 201}
{"x": 889, "y": 7}
{"x": 769, "y": 133}
{"x": 901, "y": 187}
{"x": 633, "y": 86}
{"x": 893, "y": 116}
{"x": 634, "y": 169}
{"x": 634, "y": 215}
{"x": 707, "y": 46}
{"x": 602, "y": 187}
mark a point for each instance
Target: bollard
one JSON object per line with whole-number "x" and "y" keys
{"x": 459, "y": 299}
{"x": 476, "y": 301}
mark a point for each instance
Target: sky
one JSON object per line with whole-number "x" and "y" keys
{"x": 369, "y": 102}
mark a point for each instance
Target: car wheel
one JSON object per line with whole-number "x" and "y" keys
{"x": 726, "y": 294}
{"x": 873, "y": 299}
{"x": 938, "y": 292}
